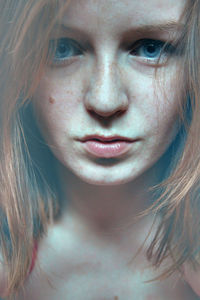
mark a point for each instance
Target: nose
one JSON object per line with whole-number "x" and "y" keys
{"x": 106, "y": 94}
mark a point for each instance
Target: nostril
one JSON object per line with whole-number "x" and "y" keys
{"x": 103, "y": 116}
{"x": 106, "y": 101}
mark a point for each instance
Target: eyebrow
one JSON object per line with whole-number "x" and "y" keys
{"x": 170, "y": 26}
{"x": 167, "y": 27}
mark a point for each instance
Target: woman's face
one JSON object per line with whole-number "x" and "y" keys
{"x": 100, "y": 83}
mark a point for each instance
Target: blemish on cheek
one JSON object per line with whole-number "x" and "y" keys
{"x": 51, "y": 100}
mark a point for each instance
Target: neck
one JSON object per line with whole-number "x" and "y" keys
{"x": 106, "y": 209}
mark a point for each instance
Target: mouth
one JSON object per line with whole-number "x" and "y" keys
{"x": 106, "y": 139}
{"x": 106, "y": 147}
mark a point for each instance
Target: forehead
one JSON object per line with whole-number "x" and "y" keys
{"x": 117, "y": 13}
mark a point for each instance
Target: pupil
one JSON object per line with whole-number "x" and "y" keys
{"x": 151, "y": 48}
{"x": 62, "y": 48}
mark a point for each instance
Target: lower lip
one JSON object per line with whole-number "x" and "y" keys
{"x": 107, "y": 149}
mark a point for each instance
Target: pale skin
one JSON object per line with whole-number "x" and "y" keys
{"x": 107, "y": 90}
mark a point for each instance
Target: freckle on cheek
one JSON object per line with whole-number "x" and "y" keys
{"x": 51, "y": 100}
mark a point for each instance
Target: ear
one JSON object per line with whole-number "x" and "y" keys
{"x": 192, "y": 277}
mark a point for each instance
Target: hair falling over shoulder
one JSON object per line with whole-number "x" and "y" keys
{"x": 28, "y": 192}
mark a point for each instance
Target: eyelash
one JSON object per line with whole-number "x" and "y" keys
{"x": 59, "y": 47}
{"x": 164, "y": 50}
{"x": 63, "y": 44}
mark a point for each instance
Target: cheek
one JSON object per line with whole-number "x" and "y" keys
{"x": 154, "y": 105}
{"x": 55, "y": 104}
{"x": 167, "y": 108}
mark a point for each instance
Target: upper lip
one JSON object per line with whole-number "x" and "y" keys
{"x": 106, "y": 138}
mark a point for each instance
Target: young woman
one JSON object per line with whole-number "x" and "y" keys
{"x": 99, "y": 145}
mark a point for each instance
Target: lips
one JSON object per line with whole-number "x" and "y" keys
{"x": 106, "y": 139}
{"x": 106, "y": 147}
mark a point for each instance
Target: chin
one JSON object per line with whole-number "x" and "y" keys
{"x": 105, "y": 183}
{"x": 108, "y": 175}
{"x": 105, "y": 180}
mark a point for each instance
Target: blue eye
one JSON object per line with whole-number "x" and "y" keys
{"x": 151, "y": 49}
{"x": 64, "y": 48}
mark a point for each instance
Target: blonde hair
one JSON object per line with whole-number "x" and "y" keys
{"x": 29, "y": 198}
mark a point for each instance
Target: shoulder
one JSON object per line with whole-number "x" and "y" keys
{"x": 192, "y": 277}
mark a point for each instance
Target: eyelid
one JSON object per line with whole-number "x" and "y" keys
{"x": 166, "y": 46}
{"x": 138, "y": 43}
{"x": 64, "y": 38}
{"x": 53, "y": 43}
{"x": 167, "y": 49}
{"x": 154, "y": 63}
